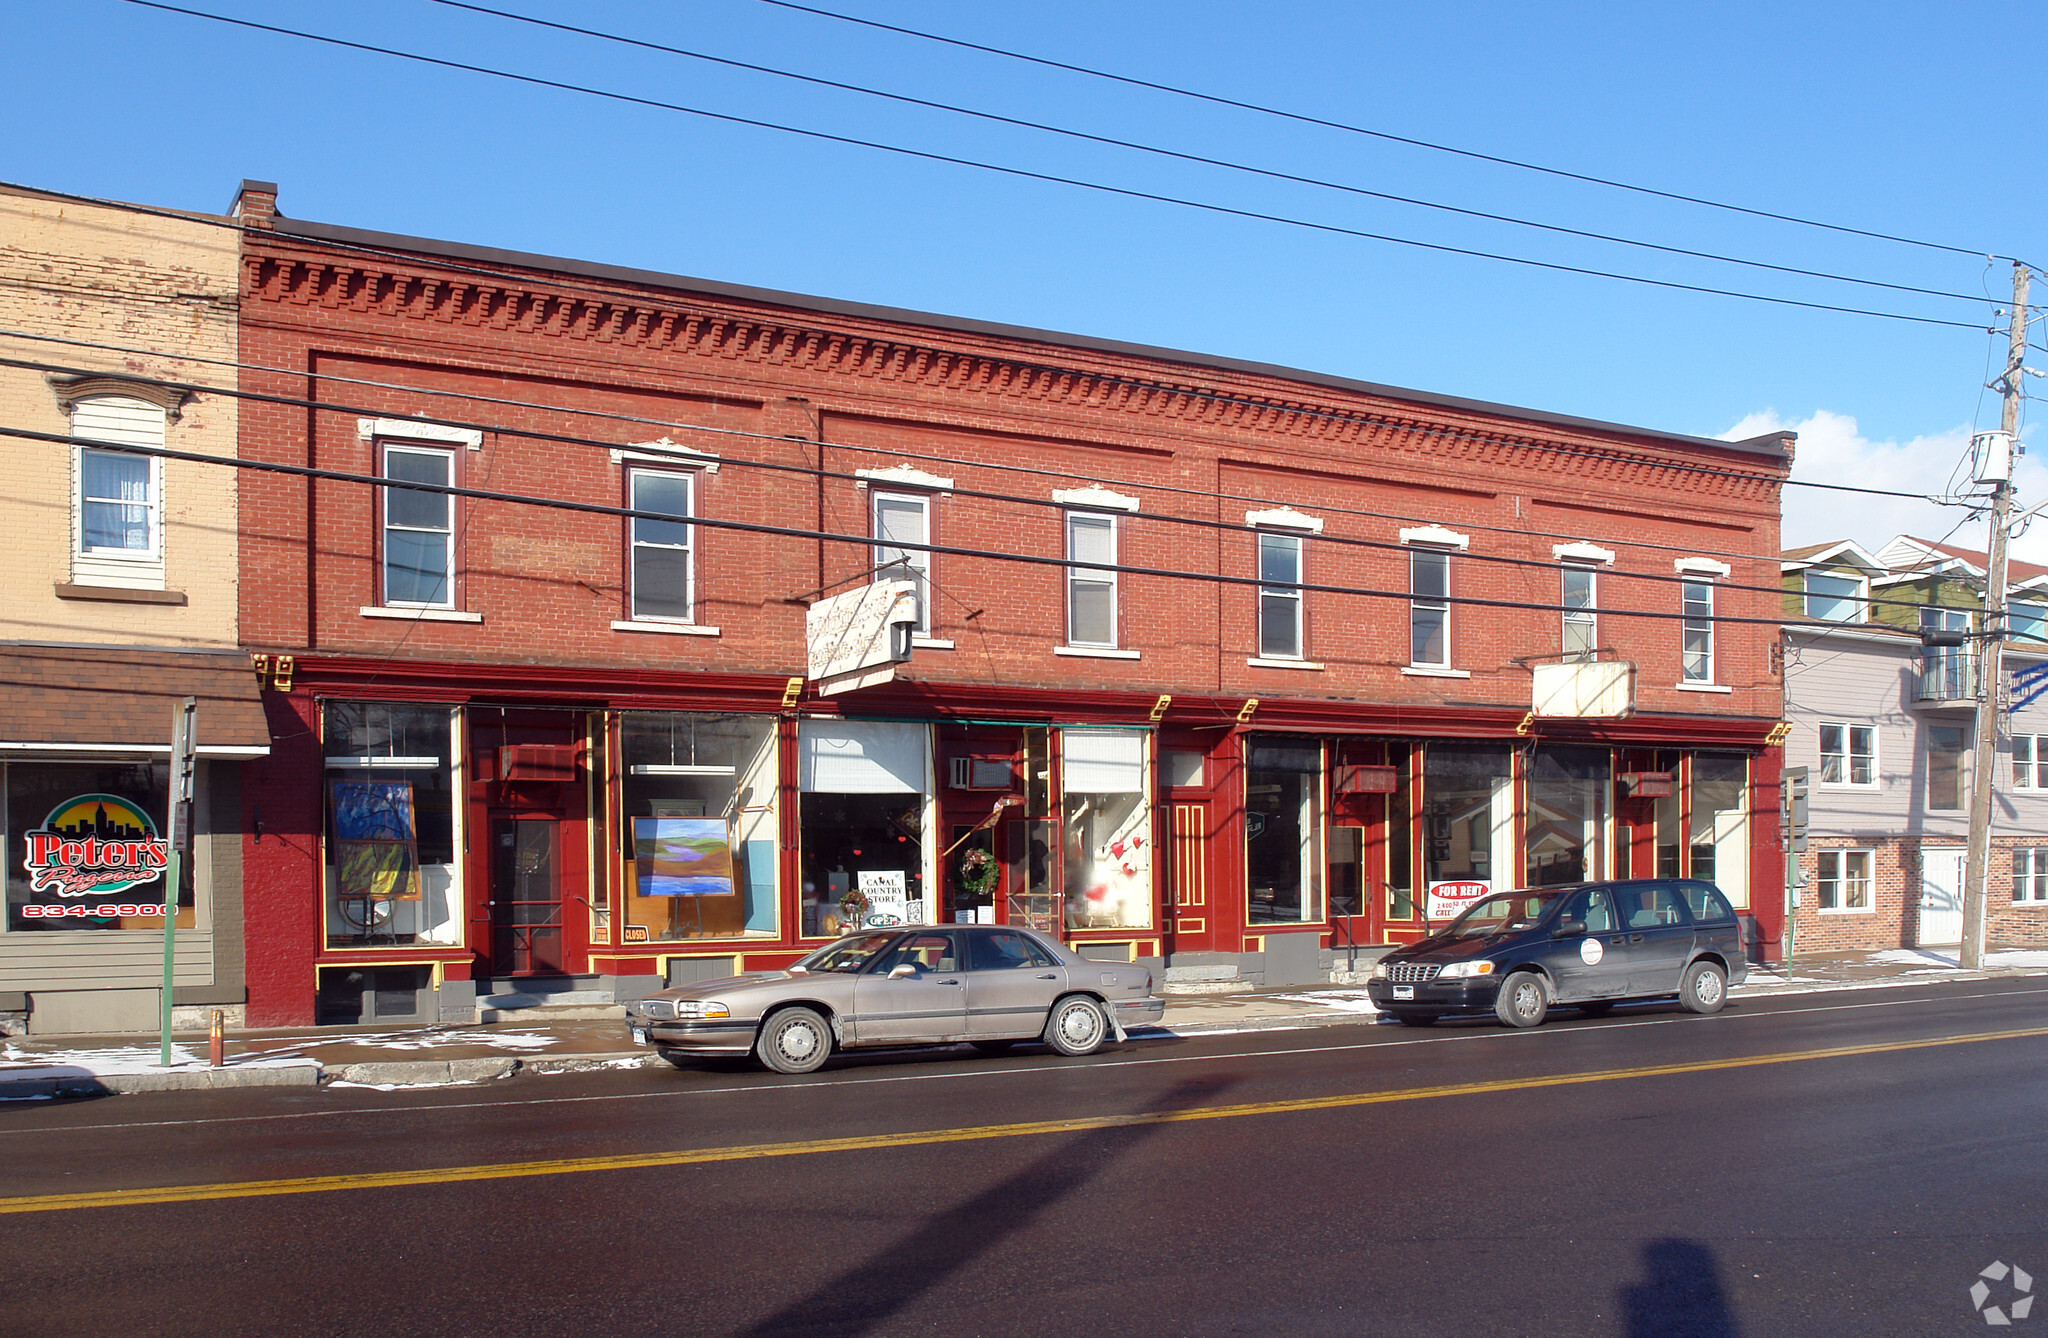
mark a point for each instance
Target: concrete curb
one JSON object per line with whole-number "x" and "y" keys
{"x": 423, "y": 1072}
{"x": 169, "y": 1080}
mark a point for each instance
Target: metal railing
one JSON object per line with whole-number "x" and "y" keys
{"x": 1947, "y": 676}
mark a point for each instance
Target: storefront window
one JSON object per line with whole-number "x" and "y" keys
{"x": 1283, "y": 816}
{"x": 697, "y": 807}
{"x": 1720, "y": 823}
{"x": 87, "y": 846}
{"x": 1107, "y": 827}
{"x": 1566, "y": 838}
{"x": 865, "y": 790}
{"x": 1468, "y": 822}
{"x": 1400, "y": 836}
{"x": 390, "y": 867}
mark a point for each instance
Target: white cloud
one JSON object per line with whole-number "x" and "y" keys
{"x": 1832, "y": 449}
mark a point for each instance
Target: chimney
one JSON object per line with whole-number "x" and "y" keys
{"x": 255, "y": 204}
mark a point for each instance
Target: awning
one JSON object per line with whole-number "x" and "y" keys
{"x": 88, "y": 699}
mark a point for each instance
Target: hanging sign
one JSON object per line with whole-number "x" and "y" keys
{"x": 91, "y": 849}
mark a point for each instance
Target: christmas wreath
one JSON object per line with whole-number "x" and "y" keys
{"x": 853, "y": 907}
{"x": 977, "y": 872}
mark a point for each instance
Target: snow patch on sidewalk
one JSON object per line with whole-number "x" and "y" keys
{"x": 17, "y": 1064}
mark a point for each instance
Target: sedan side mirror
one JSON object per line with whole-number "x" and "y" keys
{"x": 903, "y": 971}
{"x": 1568, "y": 929}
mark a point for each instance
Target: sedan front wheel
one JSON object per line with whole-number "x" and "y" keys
{"x": 1076, "y": 1026}
{"x": 795, "y": 1040}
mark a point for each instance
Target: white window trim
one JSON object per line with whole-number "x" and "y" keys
{"x": 2037, "y": 753}
{"x": 1859, "y": 601}
{"x": 1098, "y": 575}
{"x": 1713, "y": 640}
{"x": 663, "y": 451}
{"x": 1430, "y": 671}
{"x": 411, "y": 429}
{"x": 1089, "y": 652}
{"x": 1697, "y": 566}
{"x": 1300, "y": 596}
{"x": 383, "y": 451}
{"x": 1583, "y": 553}
{"x": 1448, "y": 658}
{"x": 1283, "y": 518}
{"x": 689, "y": 548}
{"x": 667, "y": 629}
{"x": 1589, "y": 615}
{"x": 1094, "y": 497}
{"x": 919, "y": 559}
{"x": 1436, "y": 536}
{"x": 1869, "y": 906}
{"x": 424, "y": 613}
{"x": 1703, "y": 687}
{"x": 2041, "y": 862}
{"x": 902, "y": 476}
{"x": 1261, "y": 662}
{"x": 1847, "y": 756}
{"x": 119, "y": 568}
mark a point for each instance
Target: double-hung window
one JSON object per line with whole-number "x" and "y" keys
{"x": 1848, "y": 754}
{"x": 898, "y": 519}
{"x": 1842, "y": 880}
{"x": 1280, "y": 621}
{"x": 418, "y": 526}
{"x": 1834, "y": 599}
{"x": 2030, "y": 761}
{"x": 1091, "y": 590}
{"x": 1580, "y": 595}
{"x": 2030, "y": 873}
{"x": 1696, "y": 658}
{"x": 2026, "y": 625}
{"x": 663, "y": 554}
{"x": 1947, "y": 749}
{"x": 1429, "y": 608}
{"x": 119, "y": 504}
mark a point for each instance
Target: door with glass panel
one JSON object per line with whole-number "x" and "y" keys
{"x": 1187, "y": 837}
{"x": 1941, "y": 896}
{"x": 526, "y": 896}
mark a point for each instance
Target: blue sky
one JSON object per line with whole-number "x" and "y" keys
{"x": 1894, "y": 118}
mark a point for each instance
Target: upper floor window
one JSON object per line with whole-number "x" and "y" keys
{"x": 663, "y": 559}
{"x": 1429, "y": 608}
{"x": 1091, "y": 591}
{"x": 117, "y": 498}
{"x": 1280, "y": 613}
{"x": 905, "y": 518}
{"x": 1947, "y": 747}
{"x": 2028, "y": 625}
{"x": 1696, "y": 659}
{"x": 1834, "y": 599}
{"x": 418, "y": 538}
{"x": 1848, "y": 755}
{"x": 2030, "y": 761}
{"x": 1581, "y": 623}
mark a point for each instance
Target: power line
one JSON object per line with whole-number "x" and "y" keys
{"x": 1206, "y": 161}
{"x": 820, "y": 473}
{"x": 1053, "y": 178}
{"x": 1389, "y": 137}
{"x": 795, "y": 532}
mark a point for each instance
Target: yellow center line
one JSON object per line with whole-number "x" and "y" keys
{"x": 446, "y": 1175}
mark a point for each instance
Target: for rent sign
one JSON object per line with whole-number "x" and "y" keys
{"x": 90, "y": 857}
{"x": 1449, "y": 900}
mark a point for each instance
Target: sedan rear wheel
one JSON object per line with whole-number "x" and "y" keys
{"x": 795, "y": 1040}
{"x": 1523, "y": 1000}
{"x": 1704, "y": 989}
{"x": 1076, "y": 1026}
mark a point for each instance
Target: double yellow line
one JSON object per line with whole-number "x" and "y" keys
{"x": 448, "y": 1175}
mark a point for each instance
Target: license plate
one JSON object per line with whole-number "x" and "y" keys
{"x": 639, "y": 1035}
{"x": 1404, "y": 991}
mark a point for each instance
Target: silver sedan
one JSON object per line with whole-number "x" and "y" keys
{"x": 988, "y": 985}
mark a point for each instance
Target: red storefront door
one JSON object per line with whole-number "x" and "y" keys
{"x": 528, "y": 865}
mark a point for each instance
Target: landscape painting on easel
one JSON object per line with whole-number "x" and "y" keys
{"x": 682, "y": 857}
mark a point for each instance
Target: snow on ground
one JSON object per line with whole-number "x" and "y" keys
{"x": 17, "y": 1063}
{"x": 427, "y": 1039}
{"x": 1342, "y": 1001}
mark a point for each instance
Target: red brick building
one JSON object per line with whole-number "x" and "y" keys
{"x": 1219, "y": 665}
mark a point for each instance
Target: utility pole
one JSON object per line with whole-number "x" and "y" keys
{"x": 1984, "y": 763}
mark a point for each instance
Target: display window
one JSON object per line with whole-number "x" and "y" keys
{"x": 1283, "y": 815}
{"x": 863, "y": 824}
{"x": 1106, "y": 828}
{"x": 1570, "y": 790}
{"x": 87, "y": 847}
{"x": 1468, "y": 818}
{"x": 698, "y": 826}
{"x": 1719, "y": 826}
{"x": 390, "y": 867}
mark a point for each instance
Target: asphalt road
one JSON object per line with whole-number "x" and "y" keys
{"x": 1830, "y": 1163}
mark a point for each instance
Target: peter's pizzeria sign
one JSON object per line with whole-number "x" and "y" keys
{"x": 88, "y": 851}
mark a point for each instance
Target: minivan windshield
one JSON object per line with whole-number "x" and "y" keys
{"x": 1503, "y": 913}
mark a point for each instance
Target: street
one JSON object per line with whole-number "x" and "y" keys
{"x": 1845, "y": 1162}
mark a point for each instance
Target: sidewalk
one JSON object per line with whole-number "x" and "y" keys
{"x": 309, "y": 1057}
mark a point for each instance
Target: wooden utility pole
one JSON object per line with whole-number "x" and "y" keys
{"x": 1990, "y": 675}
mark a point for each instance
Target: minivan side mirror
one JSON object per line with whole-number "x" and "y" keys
{"x": 1568, "y": 929}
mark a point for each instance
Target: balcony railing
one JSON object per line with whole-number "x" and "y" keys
{"x": 1948, "y": 676}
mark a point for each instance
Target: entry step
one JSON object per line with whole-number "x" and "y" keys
{"x": 544, "y": 999}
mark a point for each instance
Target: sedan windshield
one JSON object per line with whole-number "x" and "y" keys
{"x": 848, "y": 955}
{"x": 1506, "y": 913}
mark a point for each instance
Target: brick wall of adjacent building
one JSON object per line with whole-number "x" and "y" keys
{"x": 141, "y": 280}
{"x": 1893, "y": 920}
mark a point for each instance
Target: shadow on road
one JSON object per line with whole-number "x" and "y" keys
{"x": 867, "y": 1293}
{"x": 1680, "y": 1294}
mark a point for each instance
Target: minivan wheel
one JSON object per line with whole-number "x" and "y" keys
{"x": 1704, "y": 988}
{"x": 1410, "y": 1018}
{"x": 1523, "y": 1000}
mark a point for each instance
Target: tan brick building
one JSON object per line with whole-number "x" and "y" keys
{"x": 118, "y": 597}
